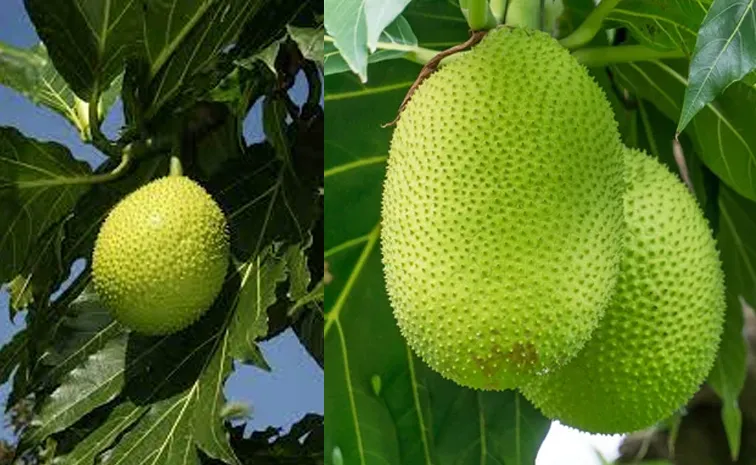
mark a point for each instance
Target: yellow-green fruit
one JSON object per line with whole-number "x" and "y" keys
{"x": 658, "y": 339}
{"x": 161, "y": 256}
{"x": 502, "y": 211}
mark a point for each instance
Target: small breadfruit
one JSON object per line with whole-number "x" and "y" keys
{"x": 658, "y": 339}
{"x": 502, "y": 211}
{"x": 161, "y": 256}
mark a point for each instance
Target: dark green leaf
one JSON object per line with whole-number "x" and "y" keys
{"x": 500, "y": 427}
{"x": 310, "y": 42}
{"x": 259, "y": 279}
{"x": 302, "y": 445}
{"x": 728, "y": 374}
{"x": 184, "y": 40}
{"x": 209, "y": 430}
{"x": 88, "y": 42}
{"x": 275, "y": 127}
{"x": 11, "y": 355}
{"x": 309, "y": 329}
{"x": 737, "y": 228}
{"x": 725, "y": 52}
{"x": 732, "y": 153}
{"x": 39, "y": 184}
{"x": 269, "y": 25}
{"x": 662, "y": 24}
{"x": 264, "y": 201}
{"x": 162, "y": 436}
{"x": 119, "y": 419}
{"x": 84, "y": 330}
{"x": 97, "y": 381}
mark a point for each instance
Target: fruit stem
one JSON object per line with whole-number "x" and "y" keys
{"x": 591, "y": 26}
{"x": 478, "y": 15}
{"x": 602, "y": 56}
{"x": 498, "y": 10}
{"x": 98, "y": 138}
{"x": 314, "y": 86}
{"x": 176, "y": 168}
{"x": 524, "y": 13}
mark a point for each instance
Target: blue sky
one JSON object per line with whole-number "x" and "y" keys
{"x": 295, "y": 386}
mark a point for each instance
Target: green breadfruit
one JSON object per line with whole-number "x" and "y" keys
{"x": 161, "y": 256}
{"x": 502, "y": 211}
{"x": 658, "y": 339}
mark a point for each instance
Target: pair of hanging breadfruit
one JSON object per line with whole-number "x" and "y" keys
{"x": 525, "y": 247}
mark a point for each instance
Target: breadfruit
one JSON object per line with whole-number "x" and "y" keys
{"x": 161, "y": 256}
{"x": 659, "y": 337}
{"x": 502, "y": 211}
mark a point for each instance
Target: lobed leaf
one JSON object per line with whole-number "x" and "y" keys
{"x": 89, "y": 42}
{"x": 40, "y": 182}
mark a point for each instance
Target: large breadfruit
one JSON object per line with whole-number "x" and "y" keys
{"x": 658, "y": 339}
{"x": 161, "y": 256}
{"x": 502, "y": 211}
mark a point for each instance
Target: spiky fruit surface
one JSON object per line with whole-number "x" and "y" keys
{"x": 502, "y": 211}
{"x": 161, "y": 256}
{"x": 659, "y": 337}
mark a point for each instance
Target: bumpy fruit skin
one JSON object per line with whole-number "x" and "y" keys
{"x": 502, "y": 211}
{"x": 659, "y": 337}
{"x": 161, "y": 256}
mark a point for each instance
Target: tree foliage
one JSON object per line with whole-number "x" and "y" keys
{"x": 85, "y": 389}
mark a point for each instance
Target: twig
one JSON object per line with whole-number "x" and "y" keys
{"x": 432, "y": 66}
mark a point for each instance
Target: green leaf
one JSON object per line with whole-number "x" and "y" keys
{"x": 356, "y": 27}
{"x": 119, "y": 419}
{"x": 97, "y": 381}
{"x": 500, "y": 427}
{"x": 31, "y": 73}
{"x": 727, "y": 378}
{"x": 732, "y": 153}
{"x": 162, "y": 436}
{"x": 184, "y": 40}
{"x": 302, "y": 445}
{"x": 398, "y": 35}
{"x": 275, "y": 127}
{"x": 265, "y": 202}
{"x": 299, "y": 273}
{"x": 209, "y": 430}
{"x": 88, "y": 42}
{"x": 11, "y": 355}
{"x": 737, "y": 228}
{"x": 728, "y": 374}
{"x": 21, "y": 295}
{"x": 269, "y": 25}
{"x": 84, "y": 330}
{"x": 725, "y": 52}
{"x": 661, "y": 24}
{"x": 310, "y": 42}
{"x": 39, "y": 184}
{"x": 309, "y": 329}
{"x": 259, "y": 279}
